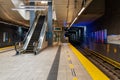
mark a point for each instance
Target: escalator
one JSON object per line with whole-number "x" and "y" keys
{"x": 36, "y": 34}
{"x": 33, "y": 41}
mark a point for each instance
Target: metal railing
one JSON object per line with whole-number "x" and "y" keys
{"x": 41, "y": 38}
{"x": 18, "y": 47}
{"x": 35, "y": 44}
{"x": 27, "y": 38}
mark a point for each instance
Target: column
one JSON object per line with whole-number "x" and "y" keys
{"x": 32, "y": 14}
{"x": 50, "y": 31}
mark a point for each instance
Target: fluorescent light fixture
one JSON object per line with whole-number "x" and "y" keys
{"x": 81, "y": 11}
{"x": 54, "y": 15}
{"x": 8, "y": 23}
{"x": 78, "y": 15}
{"x": 29, "y": 6}
{"x": 29, "y": 9}
{"x": 74, "y": 21}
{"x": 42, "y": 1}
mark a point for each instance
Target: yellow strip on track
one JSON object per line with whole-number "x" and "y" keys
{"x": 93, "y": 71}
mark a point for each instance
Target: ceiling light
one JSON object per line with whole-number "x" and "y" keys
{"x": 54, "y": 15}
{"x": 29, "y": 9}
{"x": 74, "y": 21}
{"x": 78, "y": 15}
{"x": 43, "y": 1}
{"x": 8, "y": 23}
{"x": 81, "y": 11}
{"x": 29, "y": 6}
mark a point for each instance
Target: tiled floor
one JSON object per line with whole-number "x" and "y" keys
{"x": 48, "y": 65}
{"x": 68, "y": 56}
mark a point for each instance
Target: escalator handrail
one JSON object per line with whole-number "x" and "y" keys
{"x": 31, "y": 32}
{"x": 35, "y": 44}
{"x": 42, "y": 34}
{"x": 16, "y": 44}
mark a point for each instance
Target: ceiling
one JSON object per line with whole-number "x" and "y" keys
{"x": 66, "y": 11}
{"x": 95, "y": 10}
{"x": 10, "y": 16}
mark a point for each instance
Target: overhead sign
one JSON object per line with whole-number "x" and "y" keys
{"x": 57, "y": 29}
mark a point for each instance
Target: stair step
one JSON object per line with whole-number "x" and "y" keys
{"x": 30, "y": 48}
{"x": 29, "y": 51}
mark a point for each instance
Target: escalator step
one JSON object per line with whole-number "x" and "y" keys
{"x": 29, "y": 51}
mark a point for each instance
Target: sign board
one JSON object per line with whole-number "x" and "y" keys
{"x": 57, "y": 29}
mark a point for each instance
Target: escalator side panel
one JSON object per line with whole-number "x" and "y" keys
{"x": 36, "y": 34}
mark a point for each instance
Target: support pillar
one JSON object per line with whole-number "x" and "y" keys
{"x": 50, "y": 31}
{"x": 32, "y": 15}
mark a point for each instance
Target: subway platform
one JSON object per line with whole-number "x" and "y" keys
{"x": 59, "y": 62}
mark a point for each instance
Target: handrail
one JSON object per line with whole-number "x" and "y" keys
{"x": 31, "y": 32}
{"x": 35, "y": 44}
{"x": 16, "y": 49}
{"x": 41, "y": 37}
{"x": 18, "y": 46}
{"x": 27, "y": 38}
{"x": 27, "y": 34}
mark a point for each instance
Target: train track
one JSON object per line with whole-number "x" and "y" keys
{"x": 111, "y": 69}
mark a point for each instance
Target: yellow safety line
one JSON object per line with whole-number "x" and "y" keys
{"x": 75, "y": 78}
{"x": 69, "y": 58}
{"x": 94, "y": 72}
{"x": 67, "y": 52}
{"x": 71, "y": 66}
{"x": 6, "y": 47}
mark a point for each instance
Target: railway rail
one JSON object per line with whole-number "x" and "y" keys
{"x": 108, "y": 66}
